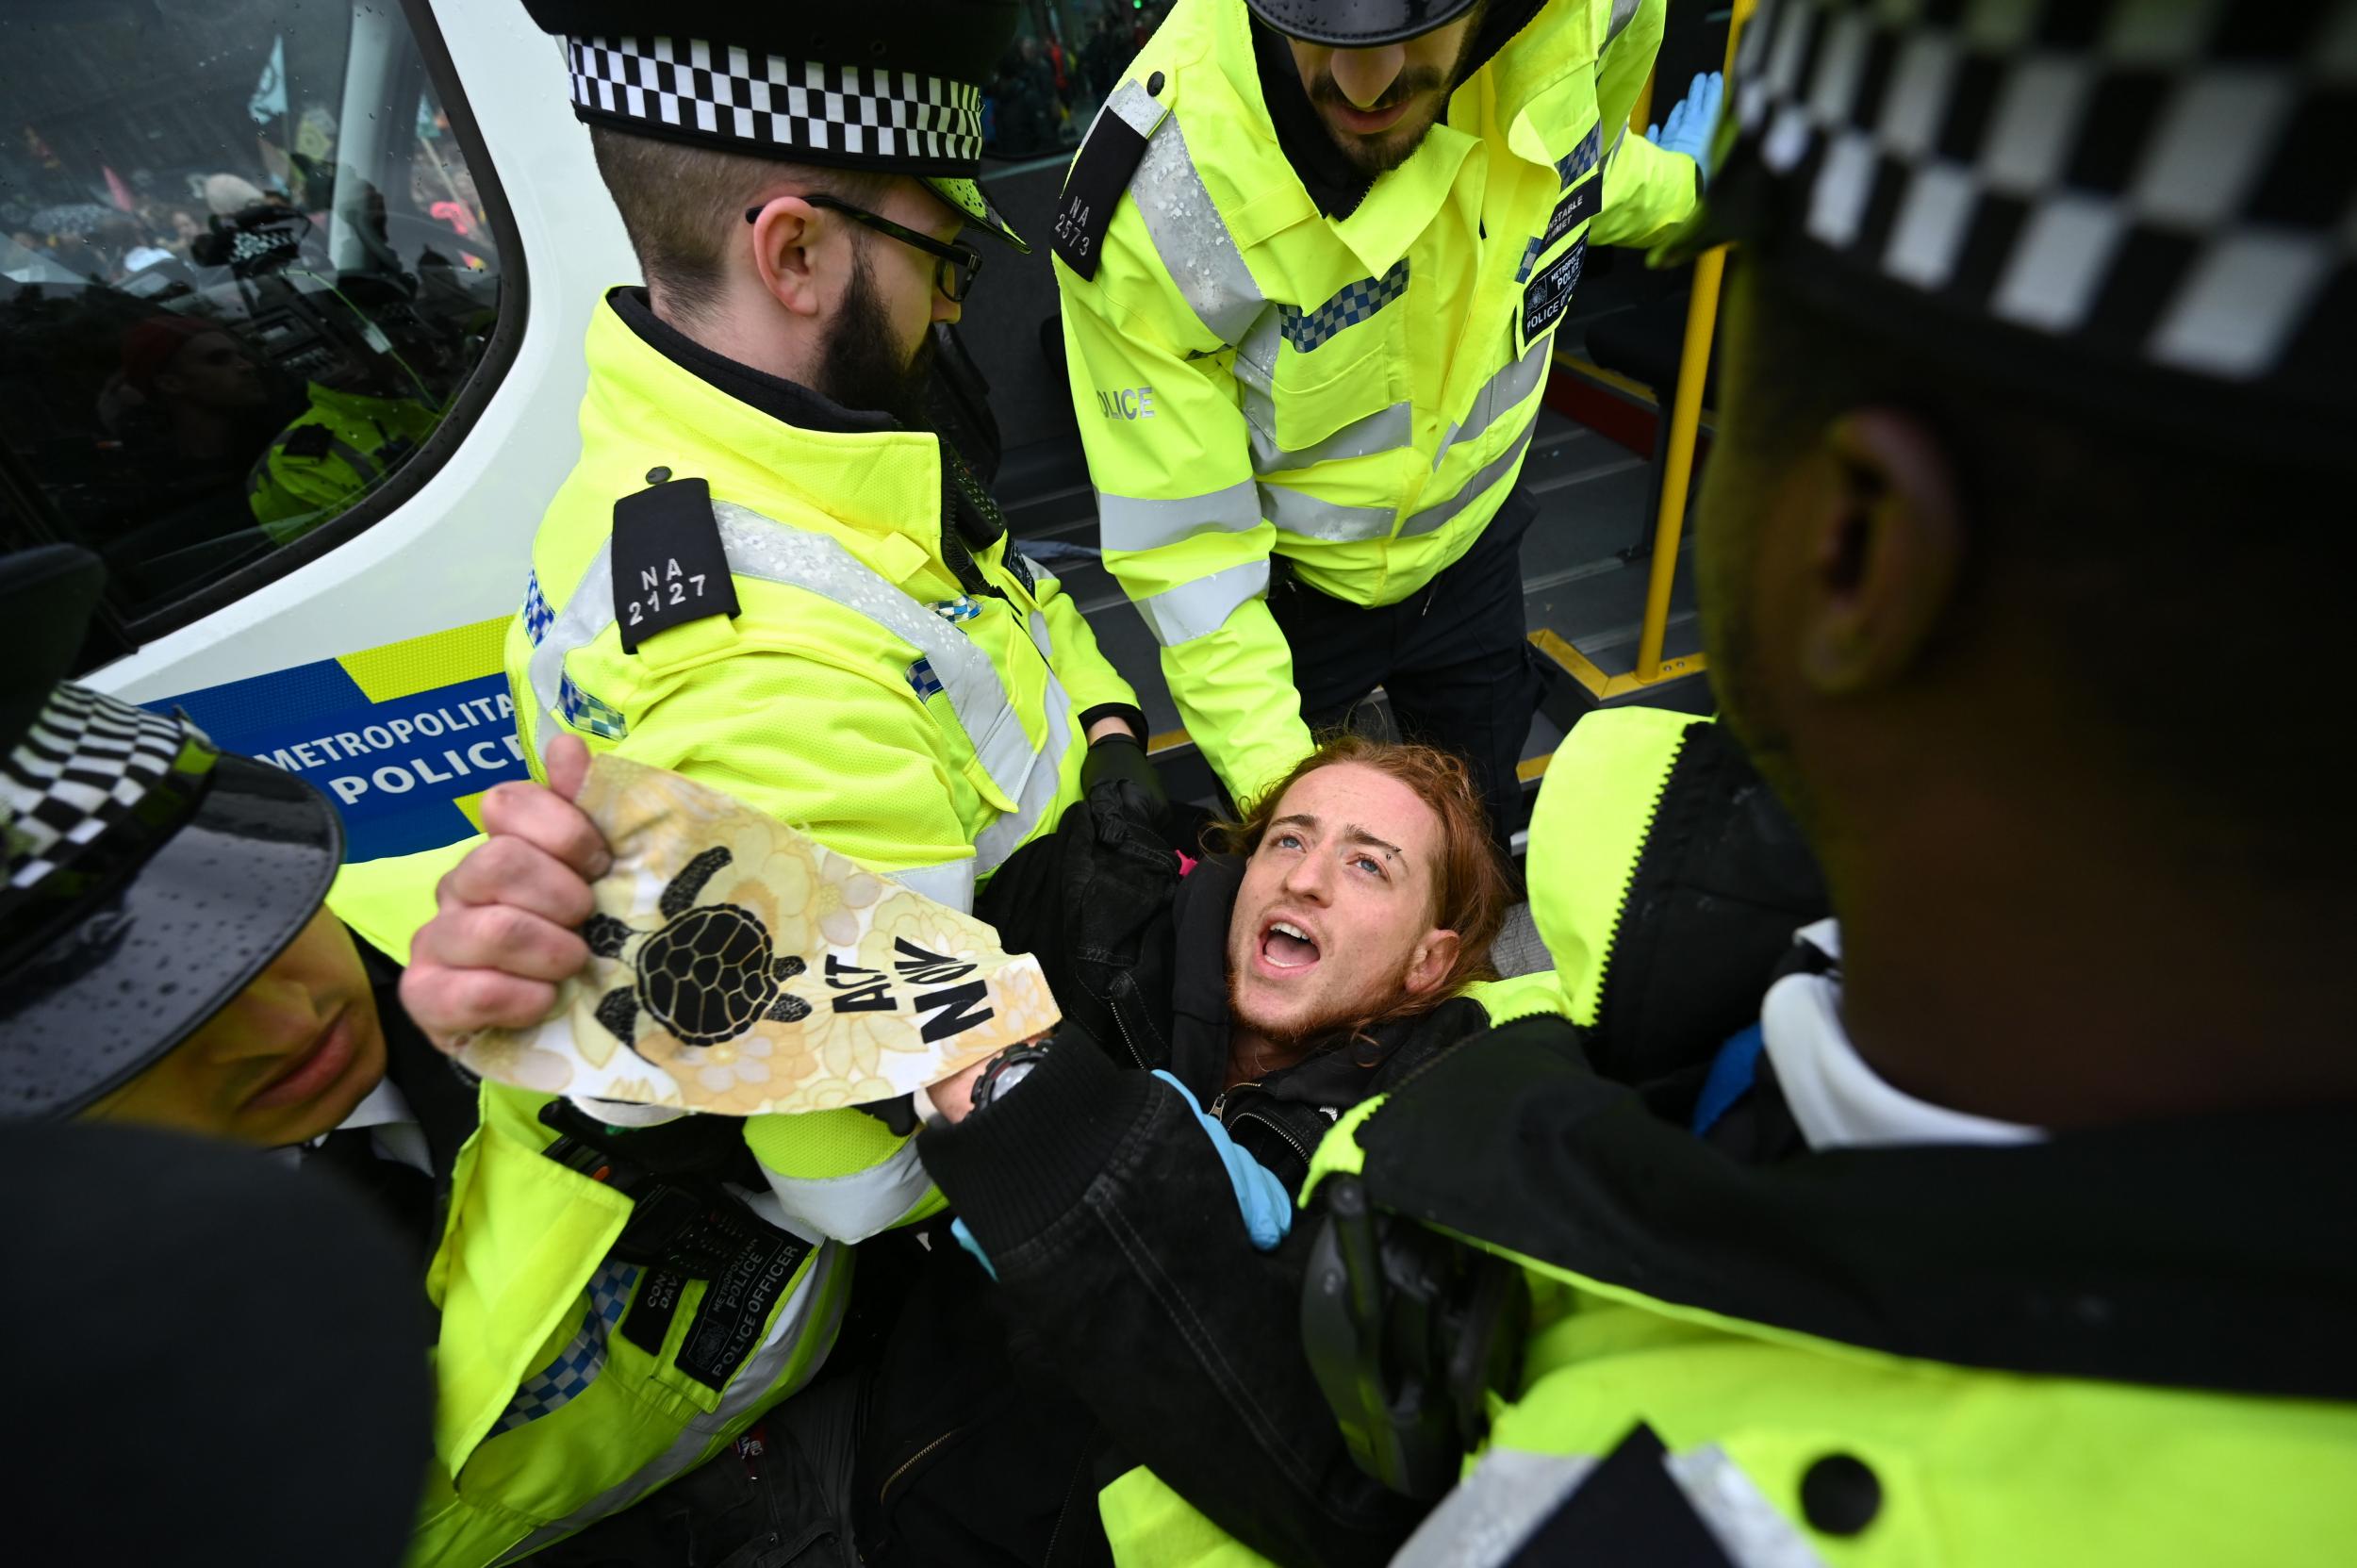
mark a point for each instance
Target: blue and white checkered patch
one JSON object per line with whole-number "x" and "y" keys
{"x": 1306, "y": 329}
{"x": 583, "y": 711}
{"x": 922, "y": 679}
{"x": 538, "y": 618}
{"x": 1571, "y": 165}
{"x": 954, "y": 610}
{"x": 577, "y": 1365}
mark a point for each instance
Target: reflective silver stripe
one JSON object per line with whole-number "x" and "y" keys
{"x": 951, "y": 882}
{"x": 1623, "y": 12}
{"x": 1136, "y": 108}
{"x": 589, "y": 611}
{"x": 801, "y": 558}
{"x": 769, "y": 551}
{"x": 1496, "y": 469}
{"x": 747, "y": 1390}
{"x": 1385, "y": 430}
{"x": 1304, "y": 515}
{"x": 1189, "y": 237}
{"x": 1486, "y": 1517}
{"x": 1489, "y": 1517}
{"x": 1135, "y": 522}
{"x": 773, "y": 552}
{"x": 1499, "y": 394}
{"x": 854, "y": 1206}
{"x": 1006, "y": 833}
{"x": 1197, "y": 609}
{"x": 1732, "y": 1508}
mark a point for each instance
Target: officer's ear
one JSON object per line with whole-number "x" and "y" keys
{"x": 1881, "y": 552}
{"x": 787, "y": 231}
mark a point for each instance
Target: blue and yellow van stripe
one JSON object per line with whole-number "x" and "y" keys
{"x": 404, "y": 738}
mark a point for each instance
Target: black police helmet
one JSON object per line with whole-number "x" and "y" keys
{"x": 148, "y": 876}
{"x": 1357, "y": 23}
{"x": 893, "y": 86}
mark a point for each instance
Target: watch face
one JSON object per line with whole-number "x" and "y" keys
{"x": 1016, "y": 1073}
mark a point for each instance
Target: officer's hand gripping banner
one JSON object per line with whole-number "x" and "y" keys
{"x": 739, "y": 967}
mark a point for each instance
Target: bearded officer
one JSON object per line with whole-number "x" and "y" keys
{"x": 766, "y": 575}
{"x": 763, "y": 573}
{"x": 1312, "y": 256}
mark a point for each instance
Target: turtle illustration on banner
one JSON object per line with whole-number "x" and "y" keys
{"x": 741, "y": 967}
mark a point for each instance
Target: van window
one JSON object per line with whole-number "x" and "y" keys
{"x": 247, "y": 274}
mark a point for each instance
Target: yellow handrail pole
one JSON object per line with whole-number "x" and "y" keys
{"x": 1685, "y": 418}
{"x": 1640, "y": 113}
{"x": 1685, "y": 415}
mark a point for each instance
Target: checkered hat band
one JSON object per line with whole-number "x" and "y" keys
{"x": 91, "y": 774}
{"x": 766, "y": 104}
{"x": 2168, "y": 184}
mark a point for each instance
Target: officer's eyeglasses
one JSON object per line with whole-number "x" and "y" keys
{"x": 954, "y": 265}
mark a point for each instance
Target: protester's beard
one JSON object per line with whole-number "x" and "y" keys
{"x": 1286, "y": 1041}
{"x": 862, "y": 369}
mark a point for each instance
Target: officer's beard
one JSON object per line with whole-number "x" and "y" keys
{"x": 1381, "y": 154}
{"x": 861, "y": 368}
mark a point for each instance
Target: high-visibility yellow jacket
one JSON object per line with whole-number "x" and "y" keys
{"x": 1353, "y": 394}
{"x": 845, "y": 698}
{"x": 547, "y": 1418}
{"x": 344, "y": 444}
{"x": 860, "y": 694}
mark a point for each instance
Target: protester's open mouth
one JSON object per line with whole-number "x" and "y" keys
{"x": 310, "y": 1074}
{"x": 1287, "y": 947}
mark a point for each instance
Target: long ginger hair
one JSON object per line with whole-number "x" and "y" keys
{"x": 1469, "y": 890}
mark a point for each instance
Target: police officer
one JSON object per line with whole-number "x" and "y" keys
{"x": 1312, "y": 255}
{"x": 765, "y": 574}
{"x": 151, "y": 891}
{"x": 2008, "y": 1226}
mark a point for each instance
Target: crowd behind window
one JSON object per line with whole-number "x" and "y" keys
{"x": 218, "y": 331}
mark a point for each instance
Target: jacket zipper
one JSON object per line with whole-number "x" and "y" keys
{"x": 1279, "y": 1127}
{"x": 1063, "y": 1511}
{"x": 1619, "y": 912}
{"x": 1123, "y": 1025}
{"x": 883, "y": 1493}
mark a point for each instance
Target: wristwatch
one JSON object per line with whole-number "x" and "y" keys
{"x": 1009, "y": 1067}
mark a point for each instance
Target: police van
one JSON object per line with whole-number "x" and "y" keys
{"x": 291, "y": 309}
{"x": 291, "y": 336}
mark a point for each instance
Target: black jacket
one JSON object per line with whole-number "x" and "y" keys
{"x": 1115, "y": 1232}
{"x": 1109, "y": 1218}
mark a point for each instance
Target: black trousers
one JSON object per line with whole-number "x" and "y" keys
{"x": 1452, "y": 658}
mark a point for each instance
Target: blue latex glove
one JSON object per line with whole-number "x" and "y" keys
{"x": 1692, "y": 120}
{"x": 1266, "y": 1207}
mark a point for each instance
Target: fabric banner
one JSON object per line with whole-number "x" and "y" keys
{"x": 739, "y": 967}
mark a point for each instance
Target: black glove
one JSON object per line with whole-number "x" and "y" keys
{"x": 1122, "y": 757}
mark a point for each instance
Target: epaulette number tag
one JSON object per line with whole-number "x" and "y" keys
{"x": 669, "y": 565}
{"x": 1094, "y": 189}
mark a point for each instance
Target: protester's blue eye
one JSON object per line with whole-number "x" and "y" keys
{"x": 1368, "y": 863}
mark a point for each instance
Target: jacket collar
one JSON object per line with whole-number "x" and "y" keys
{"x": 656, "y": 397}
{"x": 787, "y": 402}
{"x": 2216, "y": 1253}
